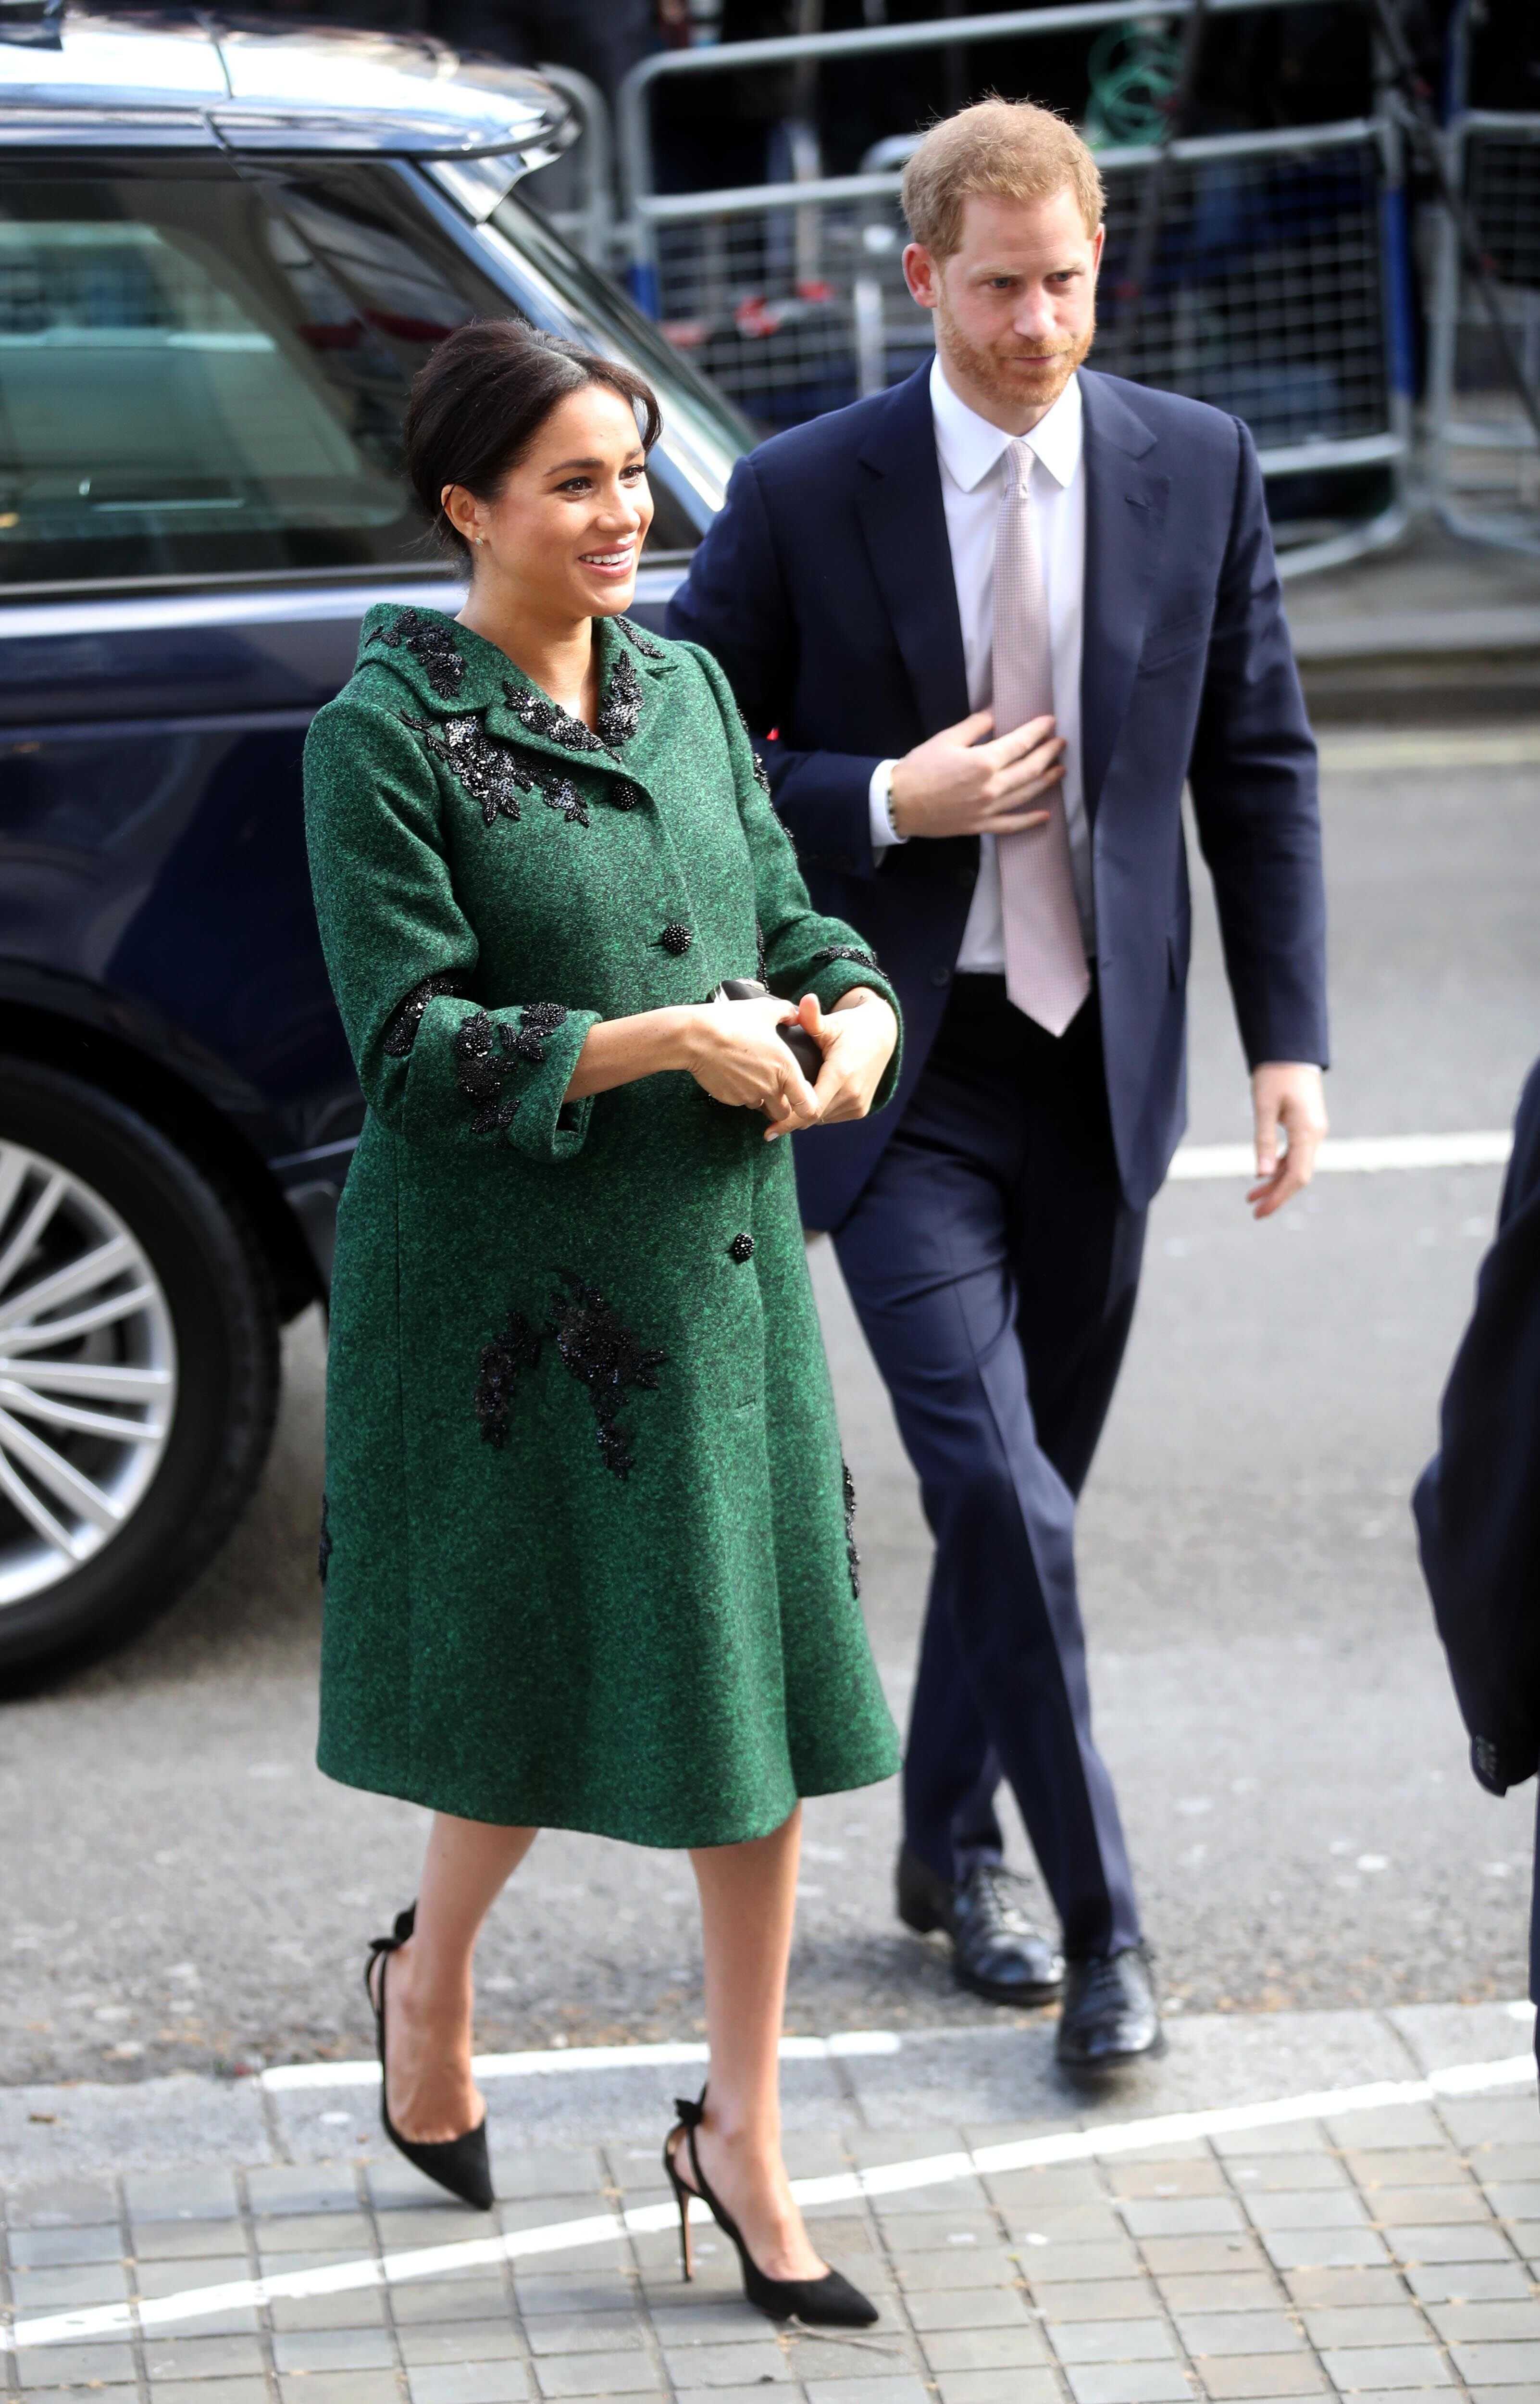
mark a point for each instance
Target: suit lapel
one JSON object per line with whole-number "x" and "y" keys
{"x": 1125, "y": 498}
{"x": 898, "y": 504}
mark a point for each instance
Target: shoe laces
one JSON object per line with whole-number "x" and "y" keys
{"x": 991, "y": 1903}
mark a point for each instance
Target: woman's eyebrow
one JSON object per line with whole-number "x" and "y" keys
{"x": 566, "y": 467}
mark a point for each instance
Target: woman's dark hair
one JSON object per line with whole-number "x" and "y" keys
{"x": 479, "y": 401}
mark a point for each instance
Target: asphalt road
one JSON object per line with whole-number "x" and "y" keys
{"x": 184, "y": 1890}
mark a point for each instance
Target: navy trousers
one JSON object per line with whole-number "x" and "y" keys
{"x": 993, "y": 1265}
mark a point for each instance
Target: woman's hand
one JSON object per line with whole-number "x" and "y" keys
{"x": 857, "y": 1038}
{"x": 732, "y": 1049}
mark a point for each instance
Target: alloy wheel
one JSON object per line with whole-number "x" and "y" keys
{"x": 87, "y": 1373}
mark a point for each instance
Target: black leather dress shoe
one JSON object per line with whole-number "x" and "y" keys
{"x": 996, "y": 1949}
{"x": 1109, "y": 2016}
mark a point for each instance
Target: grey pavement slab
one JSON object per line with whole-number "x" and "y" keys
{"x": 1197, "y": 2264}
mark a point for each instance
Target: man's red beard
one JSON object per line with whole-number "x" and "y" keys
{"x": 1005, "y": 375}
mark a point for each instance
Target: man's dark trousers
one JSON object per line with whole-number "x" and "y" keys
{"x": 994, "y": 1262}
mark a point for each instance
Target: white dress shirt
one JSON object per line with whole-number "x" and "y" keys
{"x": 971, "y": 452}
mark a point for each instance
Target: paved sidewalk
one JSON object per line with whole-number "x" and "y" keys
{"x": 1287, "y": 2207}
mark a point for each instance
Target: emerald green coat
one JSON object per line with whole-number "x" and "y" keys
{"x": 585, "y": 1545}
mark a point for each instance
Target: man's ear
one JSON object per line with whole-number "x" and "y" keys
{"x": 922, "y": 275}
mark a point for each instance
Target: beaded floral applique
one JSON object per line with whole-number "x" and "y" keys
{"x": 487, "y": 1052}
{"x": 845, "y": 952}
{"x": 852, "y": 1556}
{"x": 428, "y": 639}
{"x": 323, "y": 1550}
{"x": 493, "y": 773}
{"x": 620, "y": 713}
{"x": 484, "y": 1057}
{"x": 596, "y": 1347}
{"x": 401, "y": 1034}
{"x": 640, "y": 641}
{"x": 537, "y": 1022}
{"x": 761, "y": 968}
{"x": 497, "y": 1373}
{"x": 604, "y": 1355}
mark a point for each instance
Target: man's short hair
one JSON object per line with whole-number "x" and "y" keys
{"x": 1010, "y": 148}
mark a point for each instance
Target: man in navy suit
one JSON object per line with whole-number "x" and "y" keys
{"x": 987, "y": 623}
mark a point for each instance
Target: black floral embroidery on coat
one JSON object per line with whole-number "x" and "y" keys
{"x": 428, "y": 639}
{"x": 619, "y": 714}
{"x": 484, "y": 1059}
{"x": 845, "y": 952}
{"x": 401, "y": 1034}
{"x": 538, "y": 716}
{"x": 640, "y": 641}
{"x": 607, "y": 1357}
{"x": 486, "y": 769}
{"x": 323, "y": 1550}
{"x": 537, "y": 1022}
{"x": 493, "y": 773}
{"x": 496, "y": 1373}
{"x": 853, "y": 1558}
{"x": 621, "y": 711}
{"x": 761, "y": 967}
{"x": 487, "y": 1052}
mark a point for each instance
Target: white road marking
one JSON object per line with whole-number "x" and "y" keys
{"x": 1347, "y": 1154}
{"x": 889, "y": 2178}
{"x": 286, "y": 2076}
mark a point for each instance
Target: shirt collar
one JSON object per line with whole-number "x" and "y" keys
{"x": 969, "y": 447}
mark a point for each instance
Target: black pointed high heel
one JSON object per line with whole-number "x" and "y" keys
{"x": 829, "y": 2303}
{"x": 459, "y": 2163}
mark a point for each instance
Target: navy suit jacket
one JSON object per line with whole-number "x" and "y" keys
{"x": 825, "y": 588}
{"x": 1477, "y": 1502}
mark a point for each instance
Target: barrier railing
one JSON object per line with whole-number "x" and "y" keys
{"x": 1279, "y": 289}
{"x": 1483, "y": 458}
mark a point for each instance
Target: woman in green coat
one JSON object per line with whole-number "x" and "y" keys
{"x": 585, "y": 1545}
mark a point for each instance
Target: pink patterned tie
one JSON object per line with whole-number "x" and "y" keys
{"x": 1046, "y": 973}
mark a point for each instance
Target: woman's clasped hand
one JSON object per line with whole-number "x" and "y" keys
{"x": 734, "y": 1049}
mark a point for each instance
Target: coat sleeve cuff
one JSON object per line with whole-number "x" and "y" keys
{"x": 546, "y": 1125}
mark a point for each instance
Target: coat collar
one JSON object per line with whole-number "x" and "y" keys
{"x": 1126, "y": 496}
{"x": 452, "y": 671}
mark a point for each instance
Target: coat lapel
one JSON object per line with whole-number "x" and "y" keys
{"x": 898, "y": 504}
{"x": 1125, "y": 498}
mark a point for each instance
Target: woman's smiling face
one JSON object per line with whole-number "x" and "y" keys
{"x": 565, "y": 527}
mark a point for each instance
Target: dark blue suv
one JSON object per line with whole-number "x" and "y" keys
{"x": 223, "y": 253}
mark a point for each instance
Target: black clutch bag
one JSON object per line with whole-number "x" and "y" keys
{"x": 798, "y": 1043}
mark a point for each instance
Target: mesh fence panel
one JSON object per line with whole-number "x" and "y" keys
{"x": 1266, "y": 296}
{"x": 1491, "y": 463}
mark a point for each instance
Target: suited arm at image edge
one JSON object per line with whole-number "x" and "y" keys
{"x": 1477, "y": 1502}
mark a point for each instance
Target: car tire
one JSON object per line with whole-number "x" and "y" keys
{"x": 179, "y": 1347}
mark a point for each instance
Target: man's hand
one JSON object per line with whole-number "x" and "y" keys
{"x": 1291, "y": 1095}
{"x": 857, "y": 1038}
{"x": 958, "y": 784}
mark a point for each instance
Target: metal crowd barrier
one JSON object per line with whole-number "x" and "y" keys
{"x": 1280, "y": 289}
{"x": 1483, "y": 460}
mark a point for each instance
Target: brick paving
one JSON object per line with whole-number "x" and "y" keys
{"x": 1391, "y": 2252}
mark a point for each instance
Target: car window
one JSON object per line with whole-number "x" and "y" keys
{"x": 203, "y": 372}
{"x": 184, "y": 387}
